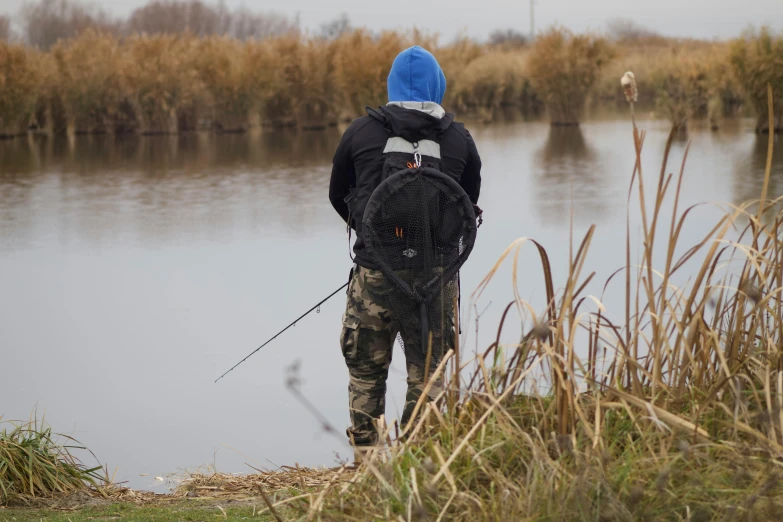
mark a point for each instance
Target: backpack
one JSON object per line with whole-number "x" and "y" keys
{"x": 419, "y": 226}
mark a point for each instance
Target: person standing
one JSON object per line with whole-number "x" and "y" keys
{"x": 416, "y": 86}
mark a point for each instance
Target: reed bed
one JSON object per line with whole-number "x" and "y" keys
{"x": 21, "y": 82}
{"x": 166, "y": 83}
{"x": 224, "y": 67}
{"x": 163, "y": 83}
{"x": 88, "y": 83}
{"x": 678, "y": 80}
{"x": 34, "y": 464}
{"x": 360, "y": 79}
{"x": 493, "y": 81}
{"x": 668, "y": 408}
{"x": 563, "y": 68}
{"x": 757, "y": 59}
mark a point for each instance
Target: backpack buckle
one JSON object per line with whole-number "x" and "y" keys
{"x": 416, "y": 154}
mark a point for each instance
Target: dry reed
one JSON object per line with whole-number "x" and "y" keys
{"x": 360, "y": 78}
{"x": 226, "y": 69}
{"x": 164, "y": 86}
{"x": 757, "y": 60}
{"x": 492, "y": 81}
{"x": 21, "y": 78}
{"x": 679, "y": 79}
{"x": 96, "y": 82}
{"x": 291, "y": 479}
{"x": 88, "y": 82}
{"x": 563, "y": 68}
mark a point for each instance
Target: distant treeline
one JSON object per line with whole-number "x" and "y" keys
{"x": 44, "y": 23}
{"x": 183, "y": 65}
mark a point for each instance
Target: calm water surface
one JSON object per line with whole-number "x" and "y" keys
{"x": 135, "y": 271}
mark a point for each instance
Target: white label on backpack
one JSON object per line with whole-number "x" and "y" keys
{"x": 426, "y": 148}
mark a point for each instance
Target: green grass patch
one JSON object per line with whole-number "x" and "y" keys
{"x": 174, "y": 511}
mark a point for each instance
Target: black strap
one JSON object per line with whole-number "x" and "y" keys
{"x": 348, "y": 198}
{"x": 350, "y": 278}
{"x": 459, "y": 302}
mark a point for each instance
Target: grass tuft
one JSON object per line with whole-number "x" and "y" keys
{"x": 757, "y": 60}
{"x": 563, "y": 68}
{"x": 34, "y": 463}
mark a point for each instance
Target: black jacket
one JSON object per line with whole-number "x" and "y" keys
{"x": 362, "y": 145}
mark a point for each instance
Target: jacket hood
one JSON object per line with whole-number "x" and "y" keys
{"x": 411, "y": 124}
{"x": 415, "y": 76}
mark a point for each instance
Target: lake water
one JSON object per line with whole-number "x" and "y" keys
{"x": 135, "y": 271}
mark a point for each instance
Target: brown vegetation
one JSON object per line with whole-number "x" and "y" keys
{"x": 20, "y": 82}
{"x": 163, "y": 84}
{"x": 361, "y": 77}
{"x": 757, "y": 59}
{"x": 681, "y": 80}
{"x": 563, "y": 68}
{"x": 89, "y": 84}
{"x": 181, "y": 65}
{"x": 494, "y": 80}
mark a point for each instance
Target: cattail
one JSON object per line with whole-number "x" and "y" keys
{"x": 628, "y": 81}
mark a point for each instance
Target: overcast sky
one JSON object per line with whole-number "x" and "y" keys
{"x": 477, "y": 18}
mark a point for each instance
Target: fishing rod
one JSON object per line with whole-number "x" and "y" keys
{"x": 284, "y": 329}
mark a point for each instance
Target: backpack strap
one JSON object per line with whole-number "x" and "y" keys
{"x": 347, "y": 199}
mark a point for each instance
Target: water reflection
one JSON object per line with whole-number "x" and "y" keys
{"x": 192, "y": 152}
{"x": 750, "y": 170}
{"x": 154, "y": 188}
{"x": 568, "y": 175}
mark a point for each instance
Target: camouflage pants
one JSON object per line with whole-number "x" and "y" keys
{"x": 370, "y": 328}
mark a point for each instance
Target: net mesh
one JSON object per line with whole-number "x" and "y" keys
{"x": 419, "y": 227}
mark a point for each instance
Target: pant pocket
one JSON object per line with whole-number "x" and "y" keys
{"x": 349, "y": 339}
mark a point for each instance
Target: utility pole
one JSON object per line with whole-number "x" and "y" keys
{"x": 532, "y": 21}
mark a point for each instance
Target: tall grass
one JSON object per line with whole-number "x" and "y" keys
{"x": 758, "y": 60}
{"x": 492, "y": 81}
{"x": 693, "y": 84}
{"x": 89, "y": 84}
{"x": 305, "y": 95}
{"x": 681, "y": 88}
{"x": 34, "y": 463}
{"x": 166, "y": 83}
{"x": 164, "y": 86}
{"x": 360, "y": 79}
{"x": 563, "y": 68}
{"x": 666, "y": 408}
{"x": 680, "y": 80}
{"x": 225, "y": 69}
{"x": 21, "y": 79}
